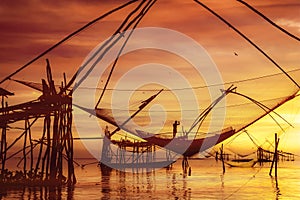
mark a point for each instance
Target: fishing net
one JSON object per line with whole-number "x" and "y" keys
{"x": 251, "y": 100}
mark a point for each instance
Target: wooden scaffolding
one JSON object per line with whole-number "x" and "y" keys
{"x": 45, "y": 160}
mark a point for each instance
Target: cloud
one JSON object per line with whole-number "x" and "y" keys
{"x": 289, "y": 23}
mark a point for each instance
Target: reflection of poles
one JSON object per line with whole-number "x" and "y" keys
{"x": 276, "y": 186}
{"x": 185, "y": 166}
{"x": 105, "y": 183}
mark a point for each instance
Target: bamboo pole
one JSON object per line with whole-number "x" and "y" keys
{"x": 71, "y": 144}
{"x": 40, "y": 151}
{"x": 1, "y": 151}
{"x": 275, "y": 157}
{"x": 45, "y": 163}
{"x": 68, "y": 151}
{"x": 24, "y": 151}
{"x": 55, "y": 139}
{"x": 27, "y": 153}
{"x": 1, "y": 142}
{"x": 222, "y": 158}
{"x": 61, "y": 133}
{"x": 31, "y": 148}
{"x": 3, "y": 147}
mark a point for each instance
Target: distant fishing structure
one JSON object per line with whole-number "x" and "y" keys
{"x": 55, "y": 147}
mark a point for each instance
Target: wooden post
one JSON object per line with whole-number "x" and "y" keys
{"x": 61, "y": 133}
{"x": 40, "y": 152}
{"x": 24, "y": 150}
{"x": 222, "y": 158}
{"x": 31, "y": 148}
{"x": 275, "y": 157}
{"x": 69, "y": 146}
{"x": 3, "y": 149}
{"x": 46, "y": 157}
{"x": 185, "y": 165}
{"x": 3, "y": 143}
{"x": 54, "y": 147}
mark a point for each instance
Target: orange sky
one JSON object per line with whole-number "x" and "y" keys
{"x": 29, "y": 27}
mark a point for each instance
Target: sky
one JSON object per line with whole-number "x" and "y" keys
{"x": 30, "y": 27}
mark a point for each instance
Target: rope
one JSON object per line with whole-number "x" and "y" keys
{"x": 266, "y": 109}
{"x": 187, "y": 88}
{"x": 270, "y": 21}
{"x": 138, "y": 18}
{"x": 65, "y": 39}
{"x": 249, "y": 41}
{"x": 252, "y": 139}
{"x": 108, "y": 44}
{"x": 196, "y": 87}
{"x": 237, "y": 190}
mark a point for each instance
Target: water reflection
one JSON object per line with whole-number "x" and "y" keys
{"x": 34, "y": 193}
{"x": 105, "y": 182}
{"x": 275, "y": 185}
{"x": 122, "y": 185}
{"x": 145, "y": 185}
{"x": 205, "y": 183}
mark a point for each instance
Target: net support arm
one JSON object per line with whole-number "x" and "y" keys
{"x": 141, "y": 107}
{"x": 248, "y": 40}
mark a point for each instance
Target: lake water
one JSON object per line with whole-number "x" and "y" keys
{"x": 206, "y": 182}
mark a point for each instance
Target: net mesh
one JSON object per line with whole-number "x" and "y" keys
{"x": 254, "y": 98}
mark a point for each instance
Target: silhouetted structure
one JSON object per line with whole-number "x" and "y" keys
{"x": 55, "y": 144}
{"x": 175, "y": 124}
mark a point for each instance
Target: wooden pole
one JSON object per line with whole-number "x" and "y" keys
{"x": 24, "y": 151}
{"x": 31, "y": 148}
{"x": 45, "y": 163}
{"x": 222, "y": 159}
{"x": 275, "y": 159}
{"x": 68, "y": 144}
{"x": 3, "y": 147}
{"x": 40, "y": 152}
{"x": 1, "y": 151}
{"x": 1, "y": 142}
{"x": 54, "y": 147}
{"x": 276, "y": 156}
{"x": 61, "y": 133}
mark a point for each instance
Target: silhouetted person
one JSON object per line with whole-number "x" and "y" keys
{"x": 107, "y": 132}
{"x": 175, "y": 124}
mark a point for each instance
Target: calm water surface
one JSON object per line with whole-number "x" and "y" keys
{"x": 206, "y": 182}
